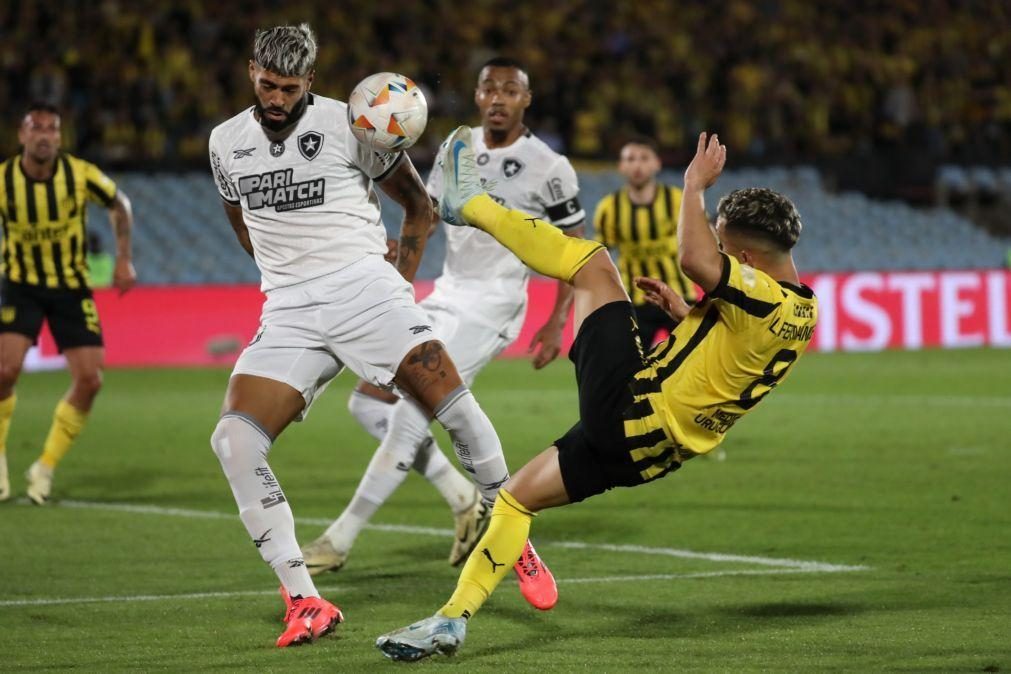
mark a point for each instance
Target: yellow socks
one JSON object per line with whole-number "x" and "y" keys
{"x": 6, "y": 413}
{"x": 542, "y": 246}
{"x": 493, "y": 558}
{"x": 67, "y": 424}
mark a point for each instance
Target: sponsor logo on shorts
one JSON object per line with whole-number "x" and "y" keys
{"x": 279, "y": 189}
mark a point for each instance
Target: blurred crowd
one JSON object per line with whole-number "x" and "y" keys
{"x": 144, "y": 81}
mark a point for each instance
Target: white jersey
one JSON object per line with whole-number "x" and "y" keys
{"x": 308, "y": 201}
{"x": 528, "y": 176}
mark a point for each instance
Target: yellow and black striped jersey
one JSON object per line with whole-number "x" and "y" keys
{"x": 44, "y": 221}
{"x": 732, "y": 349}
{"x": 645, "y": 237}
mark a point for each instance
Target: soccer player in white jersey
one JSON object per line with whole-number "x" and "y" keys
{"x": 298, "y": 191}
{"x": 478, "y": 308}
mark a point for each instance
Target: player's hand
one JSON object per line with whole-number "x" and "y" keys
{"x": 660, "y": 294}
{"x": 392, "y": 249}
{"x": 124, "y": 276}
{"x": 549, "y": 341}
{"x": 707, "y": 164}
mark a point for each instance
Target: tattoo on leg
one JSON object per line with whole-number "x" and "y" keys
{"x": 429, "y": 356}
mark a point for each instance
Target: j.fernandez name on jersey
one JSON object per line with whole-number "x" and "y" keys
{"x": 278, "y": 189}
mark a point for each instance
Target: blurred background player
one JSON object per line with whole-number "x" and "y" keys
{"x": 640, "y": 417}
{"x": 298, "y": 192}
{"x": 639, "y": 221}
{"x": 43, "y": 197}
{"x": 478, "y": 308}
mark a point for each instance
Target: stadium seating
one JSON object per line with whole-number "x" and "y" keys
{"x": 182, "y": 236}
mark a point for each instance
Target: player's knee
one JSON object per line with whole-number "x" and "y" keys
{"x": 9, "y": 373}
{"x": 88, "y": 384}
{"x": 236, "y": 439}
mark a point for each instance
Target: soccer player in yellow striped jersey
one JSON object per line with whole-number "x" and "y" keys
{"x": 43, "y": 198}
{"x": 639, "y": 221}
{"x": 640, "y": 416}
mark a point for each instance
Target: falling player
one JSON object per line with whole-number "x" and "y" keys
{"x": 639, "y": 417}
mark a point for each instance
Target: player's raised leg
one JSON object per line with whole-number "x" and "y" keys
{"x": 583, "y": 263}
{"x": 256, "y": 410}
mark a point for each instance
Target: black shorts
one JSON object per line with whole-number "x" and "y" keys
{"x": 594, "y": 455}
{"x": 71, "y": 314}
{"x": 652, "y": 319}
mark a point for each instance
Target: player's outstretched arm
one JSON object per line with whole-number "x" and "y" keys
{"x": 662, "y": 295}
{"x": 124, "y": 276}
{"x": 698, "y": 249}
{"x": 404, "y": 186}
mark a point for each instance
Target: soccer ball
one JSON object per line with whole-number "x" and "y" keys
{"x": 387, "y": 112}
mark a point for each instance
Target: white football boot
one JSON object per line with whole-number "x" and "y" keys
{"x": 437, "y": 634}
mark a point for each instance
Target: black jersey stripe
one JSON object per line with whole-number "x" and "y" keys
{"x": 77, "y": 261}
{"x": 6, "y": 246}
{"x": 653, "y": 385}
{"x": 669, "y": 205}
{"x": 68, "y": 178}
{"x": 17, "y": 273}
{"x": 12, "y": 208}
{"x": 752, "y": 306}
{"x": 654, "y": 230}
{"x": 61, "y": 277}
{"x": 101, "y": 194}
{"x": 51, "y": 205}
{"x": 40, "y": 270}
{"x": 30, "y": 207}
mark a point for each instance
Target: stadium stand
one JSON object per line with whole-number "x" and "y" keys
{"x": 183, "y": 237}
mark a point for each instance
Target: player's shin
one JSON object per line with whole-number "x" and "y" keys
{"x": 242, "y": 449}
{"x": 542, "y": 247}
{"x": 475, "y": 441}
{"x": 492, "y": 559}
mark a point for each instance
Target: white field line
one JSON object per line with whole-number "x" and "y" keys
{"x": 784, "y": 566}
{"x": 941, "y": 399}
{"x": 343, "y": 590}
{"x": 792, "y": 564}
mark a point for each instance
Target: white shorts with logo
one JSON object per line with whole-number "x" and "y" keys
{"x": 473, "y": 332}
{"x": 362, "y": 317}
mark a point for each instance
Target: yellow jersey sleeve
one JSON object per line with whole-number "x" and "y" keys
{"x": 100, "y": 188}
{"x": 744, "y": 294}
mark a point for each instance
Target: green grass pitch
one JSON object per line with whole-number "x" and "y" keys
{"x": 898, "y": 463}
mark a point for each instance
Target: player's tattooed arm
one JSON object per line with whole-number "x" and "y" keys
{"x": 124, "y": 276}
{"x": 404, "y": 186}
{"x": 234, "y": 214}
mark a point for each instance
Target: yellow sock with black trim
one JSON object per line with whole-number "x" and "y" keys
{"x": 68, "y": 421}
{"x": 542, "y": 246}
{"x": 493, "y": 557}
{"x": 7, "y": 406}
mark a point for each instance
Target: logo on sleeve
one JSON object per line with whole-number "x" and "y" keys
{"x": 511, "y": 167}
{"x": 310, "y": 143}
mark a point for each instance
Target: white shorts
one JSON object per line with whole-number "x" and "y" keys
{"x": 472, "y": 337}
{"x": 362, "y": 317}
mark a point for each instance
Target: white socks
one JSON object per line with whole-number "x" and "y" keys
{"x": 241, "y": 446}
{"x": 430, "y": 461}
{"x": 475, "y": 441}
